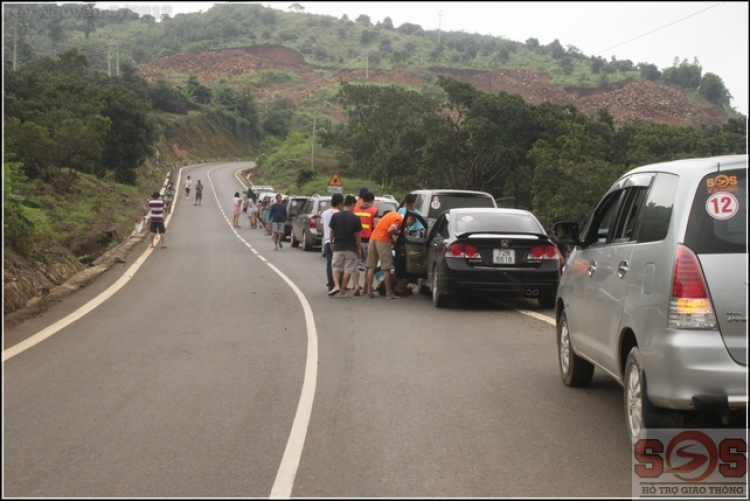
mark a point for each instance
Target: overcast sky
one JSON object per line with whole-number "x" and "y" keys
{"x": 652, "y": 32}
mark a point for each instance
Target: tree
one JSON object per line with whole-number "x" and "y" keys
{"x": 532, "y": 43}
{"x": 363, "y": 19}
{"x": 387, "y": 23}
{"x": 385, "y": 130}
{"x": 649, "y": 71}
{"x": 295, "y": 7}
{"x": 712, "y": 88}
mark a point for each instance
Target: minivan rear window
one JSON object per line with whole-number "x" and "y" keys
{"x": 442, "y": 203}
{"x": 718, "y": 219}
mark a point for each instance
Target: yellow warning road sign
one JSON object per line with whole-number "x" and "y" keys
{"x": 335, "y": 180}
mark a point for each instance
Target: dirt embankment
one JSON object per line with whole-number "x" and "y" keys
{"x": 627, "y": 101}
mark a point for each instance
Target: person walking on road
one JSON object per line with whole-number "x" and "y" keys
{"x": 188, "y": 185}
{"x": 336, "y": 200}
{"x": 381, "y": 244}
{"x": 169, "y": 197}
{"x": 237, "y": 209}
{"x": 345, "y": 229}
{"x": 157, "y": 219}
{"x": 198, "y": 192}
{"x": 278, "y": 222}
{"x": 252, "y": 210}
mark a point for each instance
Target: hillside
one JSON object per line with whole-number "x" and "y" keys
{"x": 628, "y": 100}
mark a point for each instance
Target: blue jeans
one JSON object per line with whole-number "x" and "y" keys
{"x": 329, "y": 268}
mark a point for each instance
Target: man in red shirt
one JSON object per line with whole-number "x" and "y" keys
{"x": 367, "y": 215}
{"x": 157, "y": 219}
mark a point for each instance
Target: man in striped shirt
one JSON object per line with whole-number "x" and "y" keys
{"x": 157, "y": 219}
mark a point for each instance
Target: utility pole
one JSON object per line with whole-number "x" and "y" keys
{"x": 440, "y": 23}
{"x": 15, "y": 43}
{"x": 312, "y": 158}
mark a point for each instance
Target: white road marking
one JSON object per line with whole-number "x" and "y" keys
{"x": 282, "y": 486}
{"x": 88, "y": 307}
{"x": 533, "y": 314}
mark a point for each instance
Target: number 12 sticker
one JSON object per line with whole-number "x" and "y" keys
{"x": 722, "y": 205}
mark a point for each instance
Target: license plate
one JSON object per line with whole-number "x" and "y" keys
{"x": 503, "y": 256}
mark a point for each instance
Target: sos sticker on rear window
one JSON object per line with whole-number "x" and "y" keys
{"x": 722, "y": 206}
{"x": 435, "y": 204}
{"x": 467, "y": 218}
{"x": 721, "y": 182}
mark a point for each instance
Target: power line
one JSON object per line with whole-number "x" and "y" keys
{"x": 657, "y": 29}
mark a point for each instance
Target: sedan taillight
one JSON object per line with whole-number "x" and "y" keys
{"x": 313, "y": 221}
{"x": 543, "y": 252}
{"x": 463, "y": 251}
{"x": 689, "y": 307}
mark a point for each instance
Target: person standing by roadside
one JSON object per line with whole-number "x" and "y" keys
{"x": 381, "y": 244}
{"x": 198, "y": 193}
{"x": 336, "y": 200}
{"x": 157, "y": 219}
{"x": 169, "y": 197}
{"x": 237, "y": 203}
{"x": 362, "y": 191}
{"x": 278, "y": 222}
{"x": 367, "y": 216}
{"x": 252, "y": 210}
{"x": 345, "y": 229}
{"x": 188, "y": 185}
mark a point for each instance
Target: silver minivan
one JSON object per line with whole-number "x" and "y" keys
{"x": 654, "y": 292}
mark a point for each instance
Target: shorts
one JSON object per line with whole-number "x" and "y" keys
{"x": 198, "y": 195}
{"x": 379, "y": 251}
{"x": 344, "y": 261}
{"x": 277, "y": 228}
{"x": 362, "y": 262}
{"x": 158, "y": 227}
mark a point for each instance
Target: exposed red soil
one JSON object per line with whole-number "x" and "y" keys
{"x": 627, "y": 101}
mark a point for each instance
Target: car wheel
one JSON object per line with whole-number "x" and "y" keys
{"x": 439, "y": 299}
{"x": 640, "y": 413}
{"x": 575, "y": 371}
{"x": 306, "y": 244}
{"x": 546, "y": 302}
{"x": 295, "y": 242}
{"x": 423, "y": 288}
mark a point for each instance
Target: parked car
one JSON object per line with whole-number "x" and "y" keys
{"x": 654, "y": 292}
{"x": 482, "y": 251}
{"x": 432, "y": 203}
{"x": 384, "y": 204}
{"x": 293, "y": 205}
{"x": 306, "y": 228}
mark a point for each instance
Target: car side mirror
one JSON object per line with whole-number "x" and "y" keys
{"x": 565, "y": 232}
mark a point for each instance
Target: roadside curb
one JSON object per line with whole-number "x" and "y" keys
{"x": 37, "y": 305}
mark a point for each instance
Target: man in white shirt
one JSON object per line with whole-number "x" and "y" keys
{"x": 336, "y": 200}
{"x": 188, "y": 185}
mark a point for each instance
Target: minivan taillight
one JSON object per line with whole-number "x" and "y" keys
{"x": 313, "y": 221}
{"x": 689, "y": 307}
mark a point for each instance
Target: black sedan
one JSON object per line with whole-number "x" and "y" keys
{"x": 481, "y": 251}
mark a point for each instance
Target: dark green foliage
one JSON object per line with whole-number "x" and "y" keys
{"x": 713, "y": 89}
{"x": 410, "y": 29}
{"x": 684, "y": 76}
{"x": 388, "y": 24}
{"x": 649, "y": 71}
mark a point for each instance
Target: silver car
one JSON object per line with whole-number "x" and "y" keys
{"x": 654, "y": 292}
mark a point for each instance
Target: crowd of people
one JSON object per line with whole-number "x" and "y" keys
{"x": 357, "y": 244}
{"x": 356, "y": 240}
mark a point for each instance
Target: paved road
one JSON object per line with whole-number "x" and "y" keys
{"x": 194, "y": 379}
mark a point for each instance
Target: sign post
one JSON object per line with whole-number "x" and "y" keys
{"x": 335, "y": 185}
